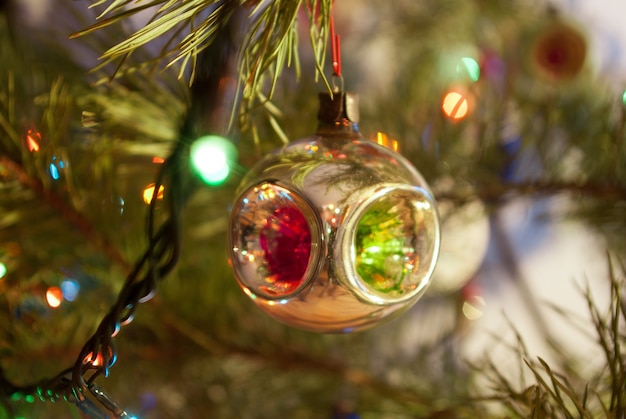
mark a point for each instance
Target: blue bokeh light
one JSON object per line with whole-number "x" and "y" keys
{"x": 70, "y": 289}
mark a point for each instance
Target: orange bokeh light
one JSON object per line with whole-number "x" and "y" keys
{"x": 54, "y": 297}
{"x": 148, "y": 193}
{"x": 455, "y": 105}
{"x": 89, "y": 359}
{"x": 32, "y": 142}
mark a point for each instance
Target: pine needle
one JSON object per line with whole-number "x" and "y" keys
{"x": 277, "y": 129}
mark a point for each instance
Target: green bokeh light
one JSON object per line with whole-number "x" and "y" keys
{"x": 469, "y": 66}
{"x": 212, "y": 157}
{"x": 3, "y": 270}
{"x": 624, "y": 97}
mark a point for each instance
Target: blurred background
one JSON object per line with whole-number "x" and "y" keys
{"x": 514, "y": 113}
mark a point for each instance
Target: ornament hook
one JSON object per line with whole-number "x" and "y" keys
{"x": 335, "y": 44}
{"x": 337, "y": 83}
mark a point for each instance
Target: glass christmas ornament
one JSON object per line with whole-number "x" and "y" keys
{"x": 333, "y": 232}
{"x": 558, "y": 51}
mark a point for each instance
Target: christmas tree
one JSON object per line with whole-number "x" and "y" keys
{"x": 127, "y": 127}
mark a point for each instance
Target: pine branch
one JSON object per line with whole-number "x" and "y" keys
{"x": 567, "y": 395}
{"x": 185, "y": 29}
{"x": 502, "y": 191}
{"x": 66, "y": 212}
{"x": 289, "y": 359}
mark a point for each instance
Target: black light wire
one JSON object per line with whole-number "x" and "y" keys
{"x": 214, "y": 63}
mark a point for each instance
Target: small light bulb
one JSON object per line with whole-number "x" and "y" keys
{"x": 148, "y": 193}
{"x": 54, "y": 172}
{"x": 70, "y": 289}
{"x": 54, "y": 169}
{"x": 211, "y": 158}
{"x": 455, "y": 105}
{"x": 54, "y": 297}
{"x": 32, "y": 140}
{"x": 95, "y": 361}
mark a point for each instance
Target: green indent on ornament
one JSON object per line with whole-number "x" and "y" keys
{"x": 383, "y": 257}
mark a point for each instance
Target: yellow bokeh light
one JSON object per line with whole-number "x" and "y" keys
{"x": 148, "y": 193}
{"x": 455, "y": 105}
{"x": 54, "y": 297}
{"x": 474, "y": 307}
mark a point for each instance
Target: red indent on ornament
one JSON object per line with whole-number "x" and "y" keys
{"x": 286, "y": 241}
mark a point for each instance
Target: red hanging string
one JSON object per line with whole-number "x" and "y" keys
{"x": 335, "y": 45}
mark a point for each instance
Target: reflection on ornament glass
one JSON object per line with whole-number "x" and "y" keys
{"x": 387, "y": 141}
{"x": 334, "y": 233}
